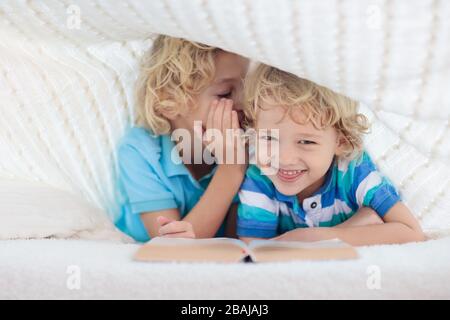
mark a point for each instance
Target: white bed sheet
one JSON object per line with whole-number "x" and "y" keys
{"x": 42, "y": 269}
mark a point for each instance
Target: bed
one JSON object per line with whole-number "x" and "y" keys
{"x": 82, "y": 269}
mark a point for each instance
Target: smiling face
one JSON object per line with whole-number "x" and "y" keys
{"x": 230, "y": 69}
{"x": 305, "y": 153}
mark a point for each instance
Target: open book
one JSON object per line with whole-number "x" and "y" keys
{"x": 233, "y": 250}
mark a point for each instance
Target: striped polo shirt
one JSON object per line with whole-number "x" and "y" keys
{"x": 264, "y": 212}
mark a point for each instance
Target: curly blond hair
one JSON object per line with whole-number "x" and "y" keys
{"x": 172, "y": 73}
{"x": 321, "y": 106}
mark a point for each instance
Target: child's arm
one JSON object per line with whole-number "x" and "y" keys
{"x": 399, "y": 226}
{"x": 209, "y": 212}
{"x": 365, "y": 216}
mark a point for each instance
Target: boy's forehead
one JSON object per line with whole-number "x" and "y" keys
{"x": 229, "y": 67}
{"x": 277, "y": 116}
{"x": 272, "y": 112}
{"x": 224, "y": 80}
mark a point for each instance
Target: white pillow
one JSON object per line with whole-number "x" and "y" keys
{"x": 68, "y": 70}
{"x": 31, "y": 210}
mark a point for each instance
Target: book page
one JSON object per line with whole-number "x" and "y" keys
{"x": 333, "y": 243}
{"x": 271, "y": 250}
{"x": 192, "y": 250}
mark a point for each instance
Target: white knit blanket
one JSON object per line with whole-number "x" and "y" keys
{"x": 67, "y": 70}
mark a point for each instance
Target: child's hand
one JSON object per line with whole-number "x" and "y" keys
{"x": 175, "y": 229}
{"x": 223, "y": 136}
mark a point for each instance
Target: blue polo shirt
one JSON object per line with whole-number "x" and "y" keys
{"x": 148, "y": 180}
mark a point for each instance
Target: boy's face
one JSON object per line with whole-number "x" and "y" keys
{"x": 227, "y": 83}
{"x": 304, "y": 152}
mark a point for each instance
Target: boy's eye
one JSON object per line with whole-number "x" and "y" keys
{"x": 224, "y": 95}
{"x": 306, "y": 142}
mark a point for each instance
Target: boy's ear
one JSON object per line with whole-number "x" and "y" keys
{"x": 168, "y": 115}
{"x": 169, "y": 111}
{"x": 341, "y": 144}
{"x": 168, "y": 107}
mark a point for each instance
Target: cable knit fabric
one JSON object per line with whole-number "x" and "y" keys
{"x": 67, "y": 73}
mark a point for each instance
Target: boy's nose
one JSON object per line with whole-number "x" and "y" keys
{"x": 287, "y": 159}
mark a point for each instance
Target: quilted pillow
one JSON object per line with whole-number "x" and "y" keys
{"x": 31, "y": 210}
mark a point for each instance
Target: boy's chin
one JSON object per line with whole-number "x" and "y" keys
{"x": 287, "y": 190}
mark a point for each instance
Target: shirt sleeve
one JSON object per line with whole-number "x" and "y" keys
{"x": 144, "y": 189}
{"x": 372, "y": 189}
{"x": 257, "y": 211}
